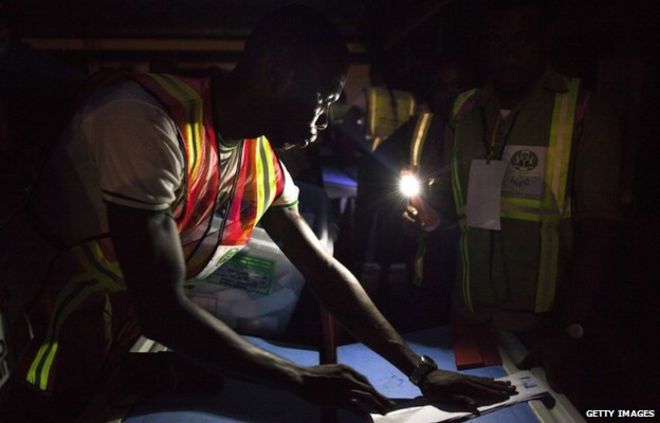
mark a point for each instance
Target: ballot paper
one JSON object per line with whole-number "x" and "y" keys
{"x": 527, "y": 385}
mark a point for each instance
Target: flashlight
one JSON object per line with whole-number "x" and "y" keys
{"x": 409, "y": 185}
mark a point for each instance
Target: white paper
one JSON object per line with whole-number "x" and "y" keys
{"x": 527, "y": 385}
{"x": 485, "y": 193}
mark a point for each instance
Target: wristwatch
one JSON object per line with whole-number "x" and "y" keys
{"x": 425, "y": 366}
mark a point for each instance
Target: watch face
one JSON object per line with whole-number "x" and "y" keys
{"x": 429, "y": 360}
{"x": 425, "y": 366}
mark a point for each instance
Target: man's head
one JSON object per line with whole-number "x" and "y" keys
{"x": 514, "y": 44}
{"x": 296, "y": 62}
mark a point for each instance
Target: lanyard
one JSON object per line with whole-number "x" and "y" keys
{"x": 490, "y": 144}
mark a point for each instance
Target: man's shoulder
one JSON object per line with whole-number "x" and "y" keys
{"x": 120, "y": 95}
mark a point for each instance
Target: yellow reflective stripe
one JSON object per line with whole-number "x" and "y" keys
{"x": 106, "y": 275}
{"x": 96, "y": 266}
{"x": 521, "y": 215}
{"x": 556, "y": 176}
{"x": 545, "y": 290}
{"x": 41, "y": 366}
{"x": 460, "y": 101}
{"x": 70, "y": 307}
{"x": 31, "y": 376}
{"x": 521, "y": 208}
{"x": 419, "y": 137}
{"x": 192, "y": 106}
{"x": 259, "y": 178}
{"x": 561, "y": 134}
{"x": 195, "y": 108}
{"x": 372, "y": 104}
{"x": 270, "y": 171}
{"x": 521, "y": 202}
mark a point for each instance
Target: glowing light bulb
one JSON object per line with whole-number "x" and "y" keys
{"x": 409, "y": 185}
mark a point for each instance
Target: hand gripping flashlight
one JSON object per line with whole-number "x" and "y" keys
{"x": 411, "y": 187}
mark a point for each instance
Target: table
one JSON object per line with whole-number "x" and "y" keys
{"x": 244, "y": 402}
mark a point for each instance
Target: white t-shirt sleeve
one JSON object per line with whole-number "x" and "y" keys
{"x": 289, "y": 196}
{"x": 136, "y": 149}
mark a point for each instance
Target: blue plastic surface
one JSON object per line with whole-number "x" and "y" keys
{"x": 245, "y": 402}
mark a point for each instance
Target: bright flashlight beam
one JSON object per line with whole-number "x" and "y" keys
{"x": 409, "y": 185}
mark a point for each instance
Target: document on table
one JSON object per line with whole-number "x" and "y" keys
{"x": 527, "y": 385}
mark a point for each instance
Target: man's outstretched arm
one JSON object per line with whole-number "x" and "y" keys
{"x": 149, "y": 251}
{"x": 343, "y": 295}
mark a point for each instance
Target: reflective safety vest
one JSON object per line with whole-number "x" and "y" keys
{"x": 213, "y": 226}
{"x": 387, "y": 110}
{"x": 538, "y": 217}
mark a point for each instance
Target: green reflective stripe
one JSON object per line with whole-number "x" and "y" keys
{"x": 464, "y": 253}
{"x": 556, "y": 177}
{"x": 521, "y": 209}
{"x": 530, "y": 216}
{"x": 521, "y": 202}
{"x": 465, "y": 273}
{"x": 419, "y": 138}
{"x": 66, "y": 292}
{"x": 68, "y": 301}
{"x": 97, "y": 267}
{"x": 100, "y": 275}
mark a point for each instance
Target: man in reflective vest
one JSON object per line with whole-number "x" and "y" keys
{"x": 162, "y": 178}
{"x": 532, "y": 165}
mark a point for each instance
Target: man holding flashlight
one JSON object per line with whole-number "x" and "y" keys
{"x": 532, "y": 181}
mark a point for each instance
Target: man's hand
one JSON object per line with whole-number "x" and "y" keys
{"x": 558, "y": 355}
{"x": 337, "y": 385}
{"x": 464, "y": 392}
{"x": 420, "y": 215}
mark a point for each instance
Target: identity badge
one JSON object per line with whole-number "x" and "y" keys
{"x": 525, "y": 175}
{"x": 485, "y": 193}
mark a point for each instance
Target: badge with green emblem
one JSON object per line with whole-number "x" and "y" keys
{"x": 524, "y": 160}
{"x": 525, "y": 171}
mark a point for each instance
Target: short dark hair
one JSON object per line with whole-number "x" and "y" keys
{"x": 297, "y": 34}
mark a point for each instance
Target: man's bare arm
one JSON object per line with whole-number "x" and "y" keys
{"x": 149, "y": 251}
{"x": 343, "y": 295}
